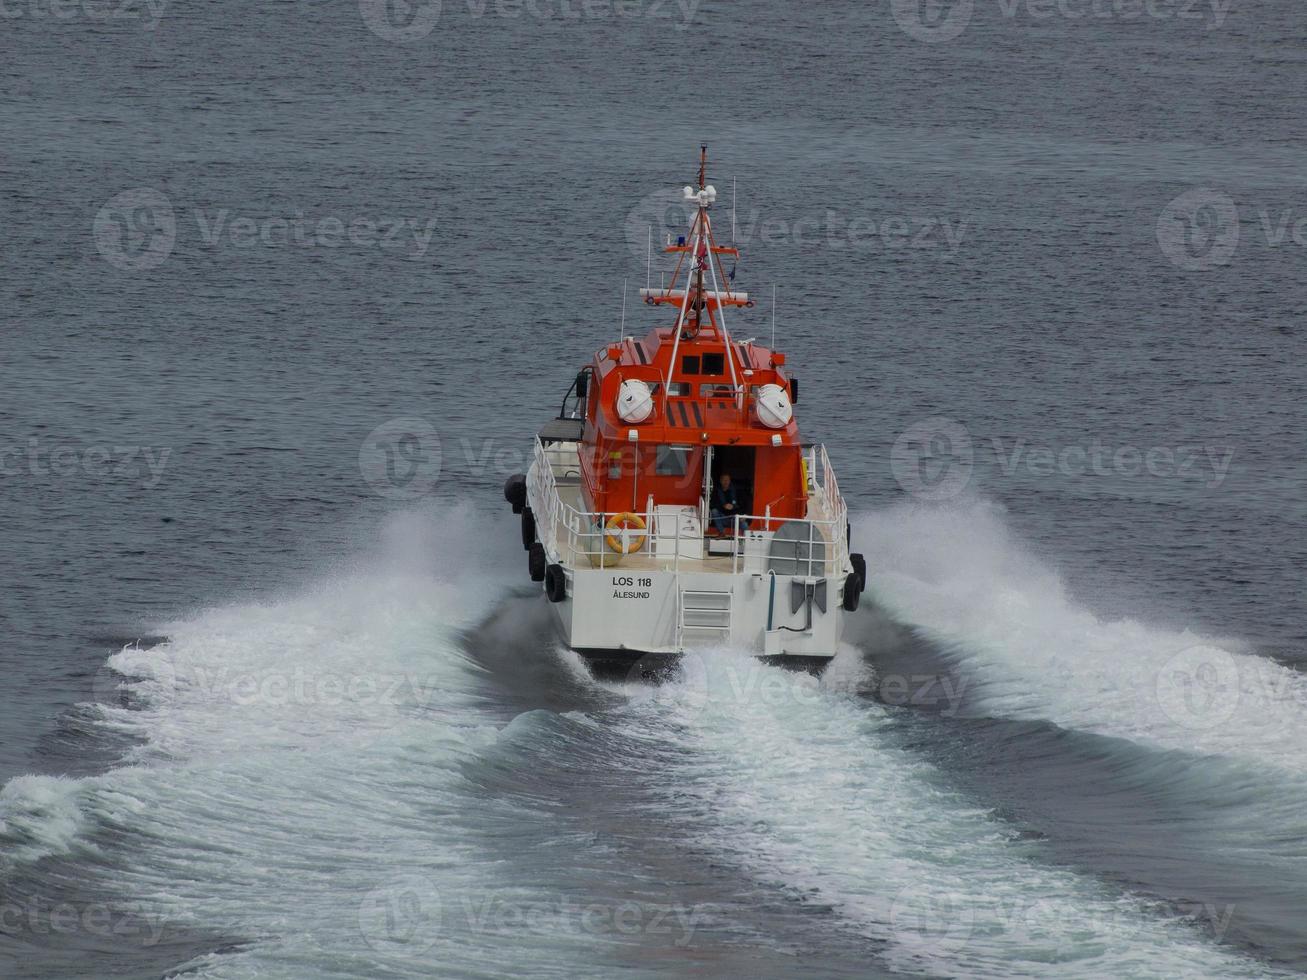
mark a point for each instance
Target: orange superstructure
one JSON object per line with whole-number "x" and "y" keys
{"x": 700, "y": 403}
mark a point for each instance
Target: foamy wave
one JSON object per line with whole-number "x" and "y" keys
{"x": 40, "y": 816}
{"x": 962, "y": 578}
{"x": 331, "y": 667}
{"x": 807, "y": 791}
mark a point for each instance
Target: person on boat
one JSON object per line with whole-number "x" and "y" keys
{"x": 723, "y": 505}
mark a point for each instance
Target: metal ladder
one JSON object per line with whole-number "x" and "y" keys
{"x": 703, "y": 612}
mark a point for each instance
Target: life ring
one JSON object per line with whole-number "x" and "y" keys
{"x": 621, "y": 543}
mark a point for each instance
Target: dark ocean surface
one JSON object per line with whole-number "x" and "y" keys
{"x": 271, "y": 709}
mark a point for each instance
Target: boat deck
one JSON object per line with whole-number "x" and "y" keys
{"x": 586, "y": 554}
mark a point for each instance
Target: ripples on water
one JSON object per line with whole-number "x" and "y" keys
{"x": 403, "y": 738}
{"x": 991, "y": 782}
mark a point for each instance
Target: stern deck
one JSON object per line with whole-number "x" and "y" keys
{"x": 577, "y": 536}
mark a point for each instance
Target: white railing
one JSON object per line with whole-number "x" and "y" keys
{"x": 820, "y": 553}
{"x": 832, "y": 502}
{"x": 583, "y": 533}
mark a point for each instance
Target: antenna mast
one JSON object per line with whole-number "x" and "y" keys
{"x": 733, "y": 233}
{"x": 700, "y": 243}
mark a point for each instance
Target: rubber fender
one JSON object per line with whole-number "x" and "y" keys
{"x": 536, "y": 561}
{"x": 528, "y": 528}
{"x": 555, "y": 583}
{"x": 852, "y": 592}
{"x": 860, "y": 567}
{"x": 515, "y": 492}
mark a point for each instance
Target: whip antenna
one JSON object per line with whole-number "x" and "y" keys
{"x": 732, "y": 210}
{"x": 773, "y": 316}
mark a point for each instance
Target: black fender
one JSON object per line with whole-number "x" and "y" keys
{"x": 860, "y": 568}
{"x": 555, "y": 583}
{"x": 515, "y": 491}
{"x": 528, "y": 528}
{"x": 536, "y": 561}
{"x": 852, "y": 592}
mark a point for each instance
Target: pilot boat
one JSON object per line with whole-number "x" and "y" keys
{"x": 673, "y": 503}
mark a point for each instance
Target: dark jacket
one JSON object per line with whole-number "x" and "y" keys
{"x": 720, "y": 498}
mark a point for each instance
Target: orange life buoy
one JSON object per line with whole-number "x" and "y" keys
{"x": 623, "y": 543}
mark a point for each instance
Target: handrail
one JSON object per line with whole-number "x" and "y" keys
{"x": 585, "y": 530}
{"x": 828, "y": 533}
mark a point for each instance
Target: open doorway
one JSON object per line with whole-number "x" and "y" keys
{"x": 736, "y": 462}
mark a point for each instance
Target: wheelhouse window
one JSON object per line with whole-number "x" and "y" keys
{"x": 717, "y": 389}
{"x": 672, "y": 461}
{"x": 713, "y": 364}
{"x": 690, "y": 364}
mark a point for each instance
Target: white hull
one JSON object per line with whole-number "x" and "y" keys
{"x": 680, "y": 592}
{"x": 611, "y": 611}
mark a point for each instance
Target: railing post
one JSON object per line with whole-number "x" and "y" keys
{"x": 810, "y": 525}
{"x": 676, "y": 554}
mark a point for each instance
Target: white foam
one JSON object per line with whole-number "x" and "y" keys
{"x": 960, "y": 576}
{"x": 39, "y": 816}
{"x": 303, "y": 765}
{"x": 806, "y": 790}
{"x": 309, "y": 825}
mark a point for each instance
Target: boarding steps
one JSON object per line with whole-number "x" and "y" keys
{"x": 703, "y": 614}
